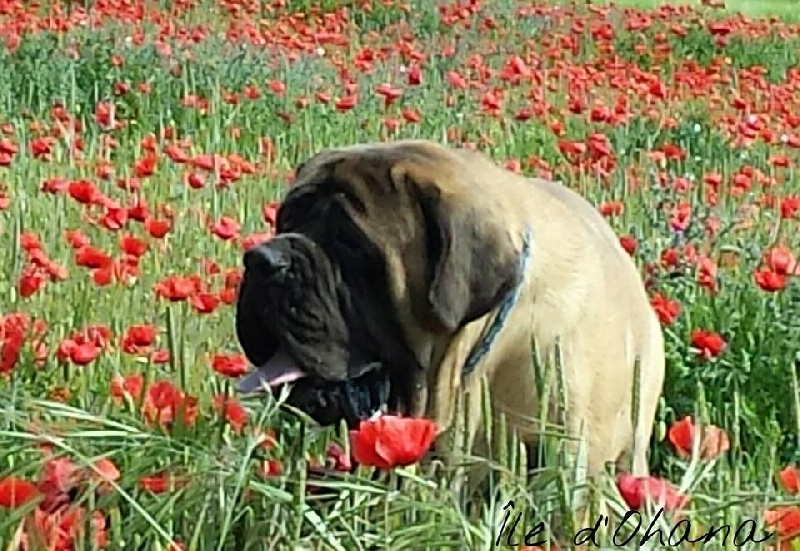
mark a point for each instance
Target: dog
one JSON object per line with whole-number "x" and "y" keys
{"x": 403, "y": 274}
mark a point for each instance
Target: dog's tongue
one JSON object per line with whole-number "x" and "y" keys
{"x": 280, "y": 369}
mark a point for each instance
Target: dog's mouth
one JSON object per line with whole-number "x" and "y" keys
{"x": 279, "y": 370}
{"x": 326, "y": 402}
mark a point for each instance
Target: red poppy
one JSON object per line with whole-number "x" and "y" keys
{"x": 31, "y": 281}
{"x": 204, "y": 303}
{"x": 115, "y": 218}
{"x": 92, "y": 258}
{"x": 146, "y": 166}
{"x": 255, "y": 239}
{"x": 667, "y": 310}
{"x": 203, "y": 162}
{"x": 164, "y": 403}
{"x": 160, "y": 356}
{"x": 231, "y": 410}
{"x": 346, "y": 103}
{"x": 709, "y": 344}
{"x": 132, "y": 246}
{"x": 225, "y": 228}
{"x": 707, "y": 274}
{"x": 781, "y": 260}
{"x": 176, "y": 154}
{"x": 105, "y": 470}
{"x": 611, "y": 209}
{"x": 61, "y": 530}
{"x": 83, "y": 191}
{"x": 713, "y": 440}
{"x": 176, "y": 288}
{"x": 162, "y": 482}
{"x": 195, "y": 180}
{"x": 769, "y": 280}
{"x": 270, "y": 212}
{"x": 784, "y": 520}
{"x": 391, "y": 441}
{"x": 130, "y": 385}
{"x": 267, "y": 438}
{"x": 233, "y": 365}
{"x": 157, "y": 228}
{"x": 628, "y": 243}
{"x": 270, "y": 468}
{"x": 139, "y": 339}
{"x": 636, "y": 491}
{"x": 77, "y": 239}
{"x": 338, "y": 459}
{"x": 790, "y": 479}
{"x": 16, "y": 492}
{"x": 79, "y": 353}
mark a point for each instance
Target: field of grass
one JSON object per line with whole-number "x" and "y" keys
{"x": 144, "y": 144}
{"x": 785, "y": 9}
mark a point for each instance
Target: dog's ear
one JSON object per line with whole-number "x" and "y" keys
{"x": 472, "y": 261}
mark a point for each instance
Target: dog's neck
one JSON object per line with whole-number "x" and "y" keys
{"x": 490, "y": 333}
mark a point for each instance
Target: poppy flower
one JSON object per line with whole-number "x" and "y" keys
{"x": 130, "y": 385}
{"x": 769, "y": 280}
{"x": 162, "y": 482}
{"x": 82, "y": 191}
{"x": 636, "y": 491}
{"x": 628, "y": 243}
{"x": 164, "y": 402}
{"x": 106, "y": 471}
{"x": 233, "y": 365}
{"x": 204, "y": 303}
{"x": 138, "y": 339}
{"x": 176, "y": 288}
{"x": 270, "y": 468}
{"x": 392, "y": 441}
{"x": 59, "y": 477}
{"x": 708, "y": 343}
{"x": 266, "y": 437}
{"x": 784, "y": 520}
{"x": 61, "y": 530}
{"x": 666, "y": 309}
{"x": 781, "y": 260}
{"x": 713, "y": 440}
{"x": 157, "y": 228}
{"x": 790, "y": 479}
{"x": 132, "y": 246}
{"x": 338, "y": 459}
{"x": 31, "y": 281}
{"x": 707, "y": 274}
{"x": 611, "y": 209}
{"x": 225, "y": 228}
{"x": 231, "y": 410}
{"x": 16, "y": 492}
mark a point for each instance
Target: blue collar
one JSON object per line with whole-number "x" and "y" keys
{"x": 491, "y": 332}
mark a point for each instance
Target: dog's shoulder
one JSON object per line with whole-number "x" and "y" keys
{"x": 577, "y": 207}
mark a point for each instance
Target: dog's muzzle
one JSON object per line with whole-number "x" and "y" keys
{"x": 281, "y": 297}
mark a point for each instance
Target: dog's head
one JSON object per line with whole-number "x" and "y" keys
{"x": 382, "y": 252}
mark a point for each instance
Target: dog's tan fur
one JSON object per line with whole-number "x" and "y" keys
{"x": 582, "y": 294}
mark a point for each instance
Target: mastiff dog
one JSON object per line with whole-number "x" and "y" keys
{"x": 404, "y": 275}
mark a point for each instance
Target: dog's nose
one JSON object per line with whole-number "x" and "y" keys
{"x": 269, "y": 262}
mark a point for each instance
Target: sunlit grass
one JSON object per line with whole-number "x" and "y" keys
{"x": 785, "y": 9}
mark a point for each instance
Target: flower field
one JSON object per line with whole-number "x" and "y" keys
{"x": 145, "y": 144}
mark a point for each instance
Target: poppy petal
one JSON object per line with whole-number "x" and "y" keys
{"x": 16, "y": 492}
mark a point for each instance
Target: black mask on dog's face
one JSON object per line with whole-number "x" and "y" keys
{"x": 313, "y": 310}
{"x": 376, "y": 245}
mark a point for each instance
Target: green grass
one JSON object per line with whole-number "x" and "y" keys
{"x": 785, "y": 9}
{"x": 689, "y": 118}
